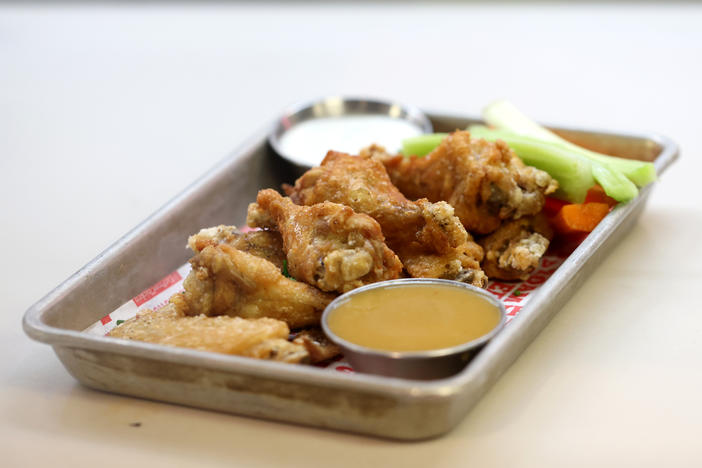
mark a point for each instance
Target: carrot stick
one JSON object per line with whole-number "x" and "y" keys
{"x": 553, "y": 205}
{"x": 581, "y": 217}
{"x": 596, "y": 194}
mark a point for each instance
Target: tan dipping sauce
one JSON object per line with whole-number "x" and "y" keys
{"x": 413, "y": 317}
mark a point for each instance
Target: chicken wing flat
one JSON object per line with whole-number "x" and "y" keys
{"x": 227, "y": 281}
{"x": 263, "y": 244}
{"x": 515, "y": 249}
{"x": 484, "y": 181}
{"x": 262, "y": 338}
{"x": 363, "y": 184}
{"x": 327, "y": 245}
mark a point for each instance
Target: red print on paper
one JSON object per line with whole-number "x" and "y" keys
{"x": 498, "y": 288}
{"x": 512, "y": 310}
{"x": 157, "y": 288}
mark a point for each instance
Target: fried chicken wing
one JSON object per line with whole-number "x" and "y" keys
{"x": 264, "y": 244}
{"x": 461, "y": 263}
{"x": 484, "y": 181}
{"x": 262, "y": 338}
{"x": 327, "y": 245}
{"x": 513, "y": 251}
{"x": 227, "y": 281}
{"x": 363, "y": 184}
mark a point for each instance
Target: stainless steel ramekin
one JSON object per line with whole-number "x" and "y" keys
{"x": 421, "y": 365}
{"x": 337, "y": 106}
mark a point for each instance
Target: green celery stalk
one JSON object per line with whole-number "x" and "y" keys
{"x": 504, "y": 115}
{"x": 422, "y": 145}
{"x": 639, "y": 172}
{"x": 614, "y": 183}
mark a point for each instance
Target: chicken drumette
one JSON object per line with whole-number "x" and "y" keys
{"x": 484, "y": 181}
{"x": 327, "y": 245}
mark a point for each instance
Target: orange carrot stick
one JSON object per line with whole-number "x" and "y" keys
{"x": 581, "y": 217}
{"x": 553, "y": 205}
{"x": 596, "y": 194}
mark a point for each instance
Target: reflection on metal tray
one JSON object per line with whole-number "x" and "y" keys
{"x": 376, "y": 405}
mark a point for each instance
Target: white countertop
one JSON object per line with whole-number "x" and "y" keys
{"x": 106, "y": 112}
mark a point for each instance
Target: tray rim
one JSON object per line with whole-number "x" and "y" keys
{"x": 38, "y": 330}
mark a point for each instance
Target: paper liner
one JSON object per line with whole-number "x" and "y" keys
{"x": 514, "y": 295}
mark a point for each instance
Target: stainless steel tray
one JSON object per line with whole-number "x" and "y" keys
{"x": 396, "y": 408}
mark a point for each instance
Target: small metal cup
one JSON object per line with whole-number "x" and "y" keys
{"x": 420, "y": 365}
{"x": 338, "y": 106}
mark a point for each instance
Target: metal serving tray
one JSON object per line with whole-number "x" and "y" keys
{"x": 375, "y": 405}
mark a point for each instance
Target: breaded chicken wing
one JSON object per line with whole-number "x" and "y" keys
{"x": 327, "y": 245}
{"x": 363, "y": 184}
{"x": 227, "y": 281}
{"x": 461, "y": 263}
{"x": 262, "y": 338}
{"x": 514, "y": 250}
{"x": 484, "y": 181}
{"x": 264, "y": 244}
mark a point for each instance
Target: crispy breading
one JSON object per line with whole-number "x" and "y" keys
{"x": 484, "y": 181}
{"x": 317, "y": 345}
{"x": 262, "y": 338}
{"x": 264, "y": 244}
{"x": 327, "y": 245}
{"x": 227, "y": 281}
{"x": 363, "y": 184}
{"x": 462, "y": 263}
{"x": 442, "y": 231}
{"x": 514, "y": 250}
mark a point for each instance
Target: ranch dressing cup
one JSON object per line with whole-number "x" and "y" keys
{"x": 304, "y": 134}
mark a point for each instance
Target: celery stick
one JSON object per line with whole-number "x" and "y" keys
{"x": 422, "y": 145}
{"x": 573, "y": 173}
{"x": 504, "y": 115}
{"x": 615, "y": 184}
{"x": 640, "y": 173}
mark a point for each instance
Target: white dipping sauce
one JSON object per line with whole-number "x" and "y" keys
{"x": 308, "y": 142}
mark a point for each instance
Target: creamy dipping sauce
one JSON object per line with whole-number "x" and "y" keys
{"x": 308, "y": 142}
{"x": 414, "y": 317}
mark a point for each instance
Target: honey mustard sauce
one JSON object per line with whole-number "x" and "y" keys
{"x": 414, "y": 317}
